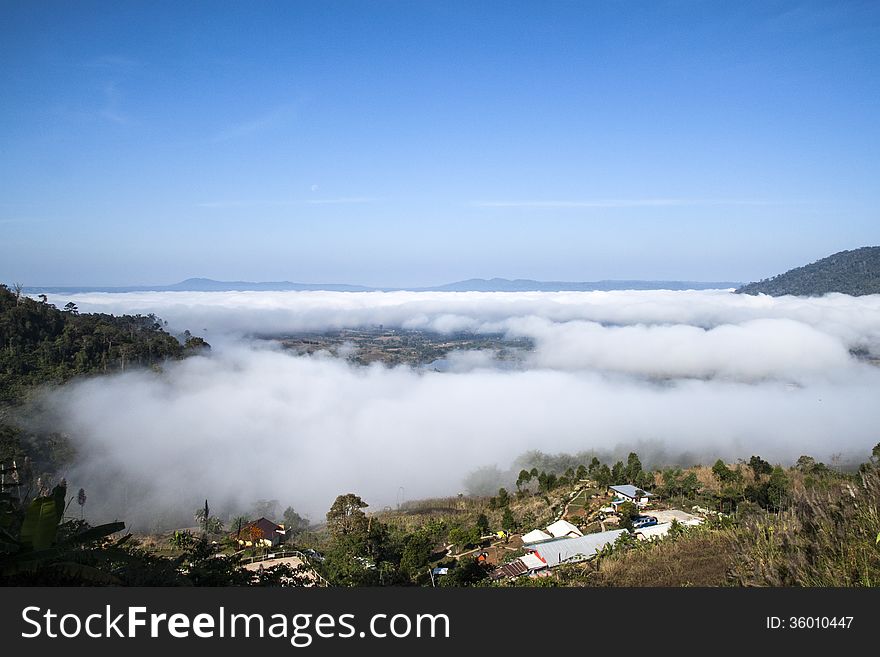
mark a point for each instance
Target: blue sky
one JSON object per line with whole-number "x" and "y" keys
{"x": 415, "y": 143}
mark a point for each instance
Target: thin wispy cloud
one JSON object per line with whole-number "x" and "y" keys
{"x": 271, "y": 119}
{"x": 112, "y": 62}
{"x": 17, "y": 220}
{"x": 112, "y": 106}
{"x": 615, "y": 203}
{"x": 255, "y": 204}
{"x": 341, "y": 201}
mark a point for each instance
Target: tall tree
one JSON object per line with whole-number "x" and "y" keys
{"x": 346, "y": 516}
{"x": 633, "y": 468}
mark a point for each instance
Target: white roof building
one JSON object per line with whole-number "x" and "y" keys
{"x": 535, "y": 536}
{"x": 532, "y": 562}
{"x": 654, "y": 531}
{"x": 572, "y": 550}
{"x": 564, "y": 529}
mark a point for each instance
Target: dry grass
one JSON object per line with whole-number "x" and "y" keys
{"x": 700, "y": 558}
{"x": 828, "y": 536}
{"x": 708, "y": 481}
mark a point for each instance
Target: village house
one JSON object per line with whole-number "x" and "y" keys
{"x": 556, "y": 551}
{"x": 260, "y": 533}
{"x": 563, "y": 529}
{"x": 629, "y": 493}
{"x": 573, "y": 550}
{"x": 558, "y": 529}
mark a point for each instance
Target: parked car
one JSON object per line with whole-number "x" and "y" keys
{"x": 643, "y": 521}
{"x": 313, "y": 554}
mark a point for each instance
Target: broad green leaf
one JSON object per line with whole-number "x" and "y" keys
{"x": 40, "y": 524}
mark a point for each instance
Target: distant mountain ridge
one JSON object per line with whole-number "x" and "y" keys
{"x": 855, "y": 272}
{"x": 527, "y": 285}
{"x": 470, "y": 285}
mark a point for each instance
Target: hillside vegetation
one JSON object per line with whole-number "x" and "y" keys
{"x": 855, "y": 272}
{"x": 40, "y": 343}
{"x": 44, "y": 345}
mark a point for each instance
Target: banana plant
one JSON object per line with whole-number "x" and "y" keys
{"x": 37, "y": 546}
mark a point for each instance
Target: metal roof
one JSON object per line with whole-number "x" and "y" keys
{"x": 575, "y": 549}
{"x": 513, "y": 569}
{"x": 630, "y": 491}
{"x": 562, "y": 528}
{"x": 532, "y": 561}
{"x": 535, "y": 536}
{"x": 654, "y": 531}
{"x": 519, "y": 566}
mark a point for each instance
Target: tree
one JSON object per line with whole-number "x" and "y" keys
{"x": 546, "y": 481}
{"x": 237, "y": 523}
{"x": 690, "y": 484}
{"x": 346, "y": 517}
{"x": 603, "y": 476}
{"x": 210, "y": 524}
{"x": 644, "y": 480}
{"x": 524, "y": 477}
{"x": 265, "y": 509}
{"x": 416, "y": 554}
{"x": 294, "y": 523}
{"x": 81, "y": 500}
{"x": 627, "y": 511}
{"x": 503, "y": 498}
{"x": 805, "y": 464}
{"x": 618, "y": 472}
{"x": 253, "y": 535}
{"x": 777, "y": 489}
{"x": 759, "y": 466}
{"x": 483, "y": 524}
{"x": 724, "y": 474}
{"x": 467, "y": 573}
{"x": 195, "y": 344}
{"x": 875, "y": 454}
{"x": 464, "y": 537}
{"x": 633, "y": 467}
{"x": 507, "y": 520}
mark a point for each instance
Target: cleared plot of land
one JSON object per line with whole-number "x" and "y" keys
{"x": 293, "y": 562}
{"x": 399, "y": 346}
{"x": 669, "y": 515}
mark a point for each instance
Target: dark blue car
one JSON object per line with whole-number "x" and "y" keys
{"x": 643, "y": 521}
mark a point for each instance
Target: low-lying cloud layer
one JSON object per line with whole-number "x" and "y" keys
{"x": 706, "y": 374}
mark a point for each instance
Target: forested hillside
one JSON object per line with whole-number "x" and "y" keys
{"x": 40, "y": 343}
{"x": 855, "y": 272}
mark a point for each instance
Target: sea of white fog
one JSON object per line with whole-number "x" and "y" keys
{"x": 681, "y": 375}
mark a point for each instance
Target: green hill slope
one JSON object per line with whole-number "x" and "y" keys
{"x": 855, "y": 272}
{"x": 40, "y": 343}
